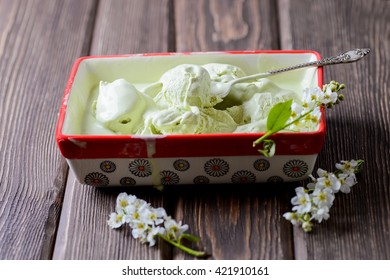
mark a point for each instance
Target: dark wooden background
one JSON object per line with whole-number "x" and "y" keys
{"x": 46, "y": 214}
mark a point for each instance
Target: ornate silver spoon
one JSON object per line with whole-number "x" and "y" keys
{"x": 223, "y": 89}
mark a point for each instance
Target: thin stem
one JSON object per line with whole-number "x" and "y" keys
{"x": 298, "y": 119}
{"x": 182, "y": 247}
{"x": 262, "y": 138}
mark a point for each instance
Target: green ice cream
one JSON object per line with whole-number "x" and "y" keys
{"x": 120, "y": 106}
{"x": 186, "y": 85}
{"x": 181, "y": 103}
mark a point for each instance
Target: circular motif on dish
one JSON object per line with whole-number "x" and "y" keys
{"x": 275, "y": 179}
{"x": 96, "y": 179}
{"x": 127, "y": 181}
{"x": 181, "y": 165}
{"x": 201, "y": 180}
{"x": 295, "y": 168}
{"x": 261, "y": 164}
{"x": 216, "y": 167}
{"x": 107, "y": 166}
{"x": 140, "y": 168}
{"x": 169, "y": 177}
{"x": 243, "y": 177}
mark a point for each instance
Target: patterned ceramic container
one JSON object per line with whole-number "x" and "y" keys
{"x": 118, "y": 160}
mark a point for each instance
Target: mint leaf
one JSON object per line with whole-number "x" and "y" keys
{"x": 278, "y": 116}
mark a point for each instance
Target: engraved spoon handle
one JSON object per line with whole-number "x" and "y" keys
{"x": 345, "y": 57}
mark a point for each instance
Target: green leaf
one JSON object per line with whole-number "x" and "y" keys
{"x": 278, "y": 116}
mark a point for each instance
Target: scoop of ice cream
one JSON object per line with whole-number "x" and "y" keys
{"x": 243, "y": 92}
{"x": 186, "y": 85}
{"x": 257, "y": 100}
{"x": 192, "y": 120}
{"x": 120, "y": 106}
{"x": 223, "y": 73}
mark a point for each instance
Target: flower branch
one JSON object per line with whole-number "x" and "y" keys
{"x": 147, "y": 223}
{"x": 299, "y": 116}
{"x": 314, "y": 202}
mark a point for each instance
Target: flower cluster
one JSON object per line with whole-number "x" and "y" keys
{"x": 314, "y": 202}
{"x": 299, "y": 115}
{"x": 306, "y": 115}
{"x": 147, "y": 223}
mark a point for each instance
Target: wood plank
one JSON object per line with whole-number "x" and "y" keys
{"x": 359, "y": 226}
{"x": 39, "y": 41}
{"x": 121, "y": 27}
{"x": 233, "y": 222}
{"x": 213, "y": 25}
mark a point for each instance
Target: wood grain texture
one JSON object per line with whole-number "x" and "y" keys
{"x": 359, "y": 227}
{"x": 237, "y": 222}
{"x": 120, "y": 27}
{"x": 37, "y": 48}
{"x": 213, "y": 25}
{"x": 131, "y": 26}
{"x": 234, "y": 222}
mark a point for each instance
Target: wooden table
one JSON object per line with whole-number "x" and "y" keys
{"x": 46, "y": 214}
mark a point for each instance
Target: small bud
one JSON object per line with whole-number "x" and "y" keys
{"x": 307, "y": 226}
{"x": 306, "y": 217}
{"x": 340, "y": 97}
{"x": 342, "y": 86}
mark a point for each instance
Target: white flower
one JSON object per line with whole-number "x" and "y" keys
{"x": 347, "y": 167}
{"x": 173, "y": 228}
{"x": 123, "y": 200}
{"x": 330, "y": 182}
{"x": 296, "y": 110}
{"x": 323, "y": 197}
{"x": 153, "y": 216}
{"x": 116, "y": 220}
{"x": 347, "y": 181}
{"x": 315, "y": 116}
{"x": 134, "y": 212}
{"x": 311, "y": 97}
{"x": 301, "y": 201}
{"x": 139, "y": 230}
{"x": 320, "y": 214}
{"x": 152, "y": 234}
{"x": 322, "y": 173}
{"x": 292, "y": 217}
{"x": 328, "y": 96}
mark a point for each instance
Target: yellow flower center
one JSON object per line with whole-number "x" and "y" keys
{"x": 123, "y": 203}
{"x": 302, "y": 200}
{"x": 293, "y": 114}
{"x": 174, "y": 229}
{"x": 119, "y": 218}
{"x": 140, "y": 226}
{"x": 322, "y": 197}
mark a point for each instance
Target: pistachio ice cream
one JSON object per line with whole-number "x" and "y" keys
{"x": 181, "y": 102}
